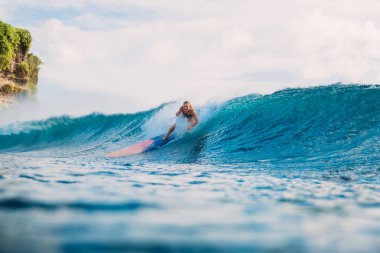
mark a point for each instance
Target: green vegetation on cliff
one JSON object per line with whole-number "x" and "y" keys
{"x": 18, "y": 68}
{"x": 34, "y": 66}
{"x": 12, "y": 40}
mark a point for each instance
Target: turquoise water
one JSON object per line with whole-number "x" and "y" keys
{"x": 293, "y": 171}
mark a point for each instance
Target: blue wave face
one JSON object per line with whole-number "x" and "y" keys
{"x": 335, "y": 125}
{"x": 296, "y": 124}
{"x": 325, "y": 127}
{"x": 92, "y": 130}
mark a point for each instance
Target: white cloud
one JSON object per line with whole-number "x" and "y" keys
{"x": 205, "y": 48}
{"x": 163, "y": 52}
{"x": 236, "y": 40}
{"x": 42, "y": 4}
{"x": 328, "y": 47}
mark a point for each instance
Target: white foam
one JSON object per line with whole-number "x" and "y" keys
{"x": 165, "y": 118}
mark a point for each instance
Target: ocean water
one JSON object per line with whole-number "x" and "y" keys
{"x": 293, "y": 171}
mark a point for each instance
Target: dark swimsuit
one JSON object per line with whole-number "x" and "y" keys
{"x": 187, "y": 115}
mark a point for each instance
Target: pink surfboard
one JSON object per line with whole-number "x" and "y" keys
{"x": 140, "y": 147}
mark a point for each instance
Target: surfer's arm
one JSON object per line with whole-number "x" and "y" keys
{"x": 195, "y": 121}
{"x": 179, "y": 112}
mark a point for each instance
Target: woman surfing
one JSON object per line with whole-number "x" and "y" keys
{"x": 189, "y": 118}
{"x": 188, "y": 112}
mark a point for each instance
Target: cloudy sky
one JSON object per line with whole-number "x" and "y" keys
{"x": 161, "y": 50}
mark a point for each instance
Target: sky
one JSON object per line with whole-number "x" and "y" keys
{"x": 151, "y": 52}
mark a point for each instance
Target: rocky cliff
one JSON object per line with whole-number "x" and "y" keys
{"x": 18, "y": 68}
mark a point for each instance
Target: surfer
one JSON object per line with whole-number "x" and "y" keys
{"x": 187, "y": 112}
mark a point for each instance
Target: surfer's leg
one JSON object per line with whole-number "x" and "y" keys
{"x": 169, "y": 132}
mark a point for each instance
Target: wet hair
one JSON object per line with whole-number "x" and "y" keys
{"x": 187, "y": 102}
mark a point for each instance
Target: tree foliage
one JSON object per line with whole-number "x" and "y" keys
{"x": 11, "y": 40}
{"x": 34, "y": 66}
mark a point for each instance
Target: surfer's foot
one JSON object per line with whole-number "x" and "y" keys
{"x": 164, "y": 138}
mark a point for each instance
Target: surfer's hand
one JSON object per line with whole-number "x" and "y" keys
{"x": 189, "y": 128}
